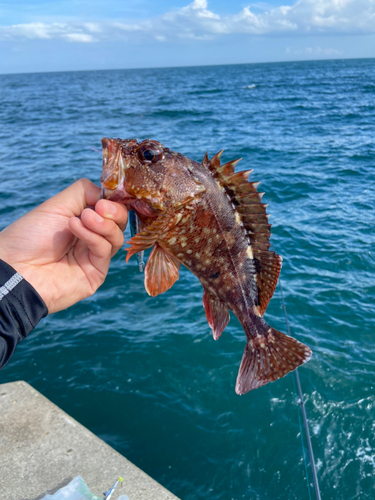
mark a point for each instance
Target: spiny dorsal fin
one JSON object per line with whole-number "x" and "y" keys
{"x": 250, "y": 198}
{"x": 206, "y": 161}
{"x": 215, "y": 160}
{"x": 214, "y": 163}
{"x": 248, "y": 204}
{"x": 228, "y": 168}
{"x": 247, "y": 187}
{"x": 235, "y": 179}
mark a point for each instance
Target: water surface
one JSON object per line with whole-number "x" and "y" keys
{"x": 144, "y": 373}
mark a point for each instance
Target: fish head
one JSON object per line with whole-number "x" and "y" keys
{"x": 147, "y": 176}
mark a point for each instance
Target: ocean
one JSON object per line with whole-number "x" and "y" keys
{"x": 144, "y": 373}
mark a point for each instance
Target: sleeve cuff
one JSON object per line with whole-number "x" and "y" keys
{"x": 21, "y": 309}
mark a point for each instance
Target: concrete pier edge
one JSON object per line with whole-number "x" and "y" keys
{"x": 42, "y": 449}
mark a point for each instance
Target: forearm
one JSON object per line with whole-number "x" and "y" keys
{"x": 21, "y": 309}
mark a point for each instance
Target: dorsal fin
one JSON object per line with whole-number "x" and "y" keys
{"x": 234, "y": 180}
{"x": 248, "y": 205}
{"x": 206, "y": 161}
{"x": 215, "y": 160}
{"x": 228, "y": 168}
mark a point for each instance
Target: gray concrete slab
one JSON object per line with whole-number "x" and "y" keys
{"x": 42, "y": 449}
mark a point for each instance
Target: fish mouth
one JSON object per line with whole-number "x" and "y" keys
{"x": 113, "y": 173}
{"x": 113, "y": 179}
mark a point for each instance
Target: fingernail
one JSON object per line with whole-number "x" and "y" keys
{"x": 110, "y": 209}
{"x": 98, "y": 217}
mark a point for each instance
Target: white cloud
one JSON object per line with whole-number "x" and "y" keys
{"x": 196, "y": 21}
{"x": 314, "y": 51}
{"x": 79, "y": 37}
{"x": 93, "y": 27}
{"x": 69, "y": 32}
{"x": 32, "y": 30}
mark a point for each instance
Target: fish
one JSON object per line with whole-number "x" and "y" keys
{"x": 211, "y": 219}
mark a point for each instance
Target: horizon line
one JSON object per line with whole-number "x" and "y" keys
{"x": 188, "y": 66}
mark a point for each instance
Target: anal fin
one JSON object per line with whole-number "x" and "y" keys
{"x": 267, "y": 357}
{"x": 161, "y": 271}
{"x": 217, "y": 314}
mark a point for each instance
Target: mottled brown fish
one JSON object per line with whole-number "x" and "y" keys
{"x": 212, "y": 220}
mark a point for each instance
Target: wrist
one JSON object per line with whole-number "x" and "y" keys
{"x": 27, "y": 273}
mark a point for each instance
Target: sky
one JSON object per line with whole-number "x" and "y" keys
{"x": 50, "y": 35}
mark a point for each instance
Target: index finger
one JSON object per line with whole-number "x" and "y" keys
{"x": 113, "y": 211}
{"x": 75, "y": 198}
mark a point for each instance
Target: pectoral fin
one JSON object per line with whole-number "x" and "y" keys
{"x": 140, "y": 242}
{"x": 161, "y": 271}
{"x": 217, "y": 314}
{"x": 149, "y": 236}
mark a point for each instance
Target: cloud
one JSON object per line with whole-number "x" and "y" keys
{"x": 314, "y": 51}
{"x": 196, "y": 21}
{"x": 71, "y": 32}
{"x": 79, "y": 37}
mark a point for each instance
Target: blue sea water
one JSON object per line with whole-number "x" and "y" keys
{"x": 144, "y": 373}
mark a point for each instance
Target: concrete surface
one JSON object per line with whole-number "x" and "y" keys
{"x": 42, "y": 449}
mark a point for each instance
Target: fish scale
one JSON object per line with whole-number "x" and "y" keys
{"x": 211, "y": 219}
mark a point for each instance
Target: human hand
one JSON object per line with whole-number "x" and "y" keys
{"x": 62, "y": 248}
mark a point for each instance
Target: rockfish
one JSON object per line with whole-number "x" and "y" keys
{"x": 210, "y": 219}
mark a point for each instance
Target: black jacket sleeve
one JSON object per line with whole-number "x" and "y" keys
{"x": 21, "y": 309}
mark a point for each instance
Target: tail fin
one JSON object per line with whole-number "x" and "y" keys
{"x": 269, "y": 357}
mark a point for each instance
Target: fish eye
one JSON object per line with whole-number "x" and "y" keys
{"x": 149, "y": 154}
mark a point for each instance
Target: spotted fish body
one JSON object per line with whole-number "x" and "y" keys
{"x": 210, "y": 219}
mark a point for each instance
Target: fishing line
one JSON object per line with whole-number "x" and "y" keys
{"x": 303, "y": 444}
{"x": 304, "y": 416}
{"x": 135, "y": 228}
